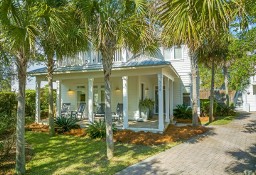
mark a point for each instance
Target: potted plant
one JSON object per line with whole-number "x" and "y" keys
{"x": 146, "y": 107}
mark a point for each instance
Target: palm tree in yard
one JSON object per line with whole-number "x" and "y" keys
{"x": 194, "y": 22}
{"x": 111, "y": 25}
{"x": 17, "y": 37}
{"x": 211, "y": 54}
{"x": 59, "y": 35}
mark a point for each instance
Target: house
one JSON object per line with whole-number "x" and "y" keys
{"x": 165, "y": 78}
{"x": 246, "y": 99}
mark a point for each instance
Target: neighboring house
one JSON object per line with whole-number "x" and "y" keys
{"x": 165, "y": 78}
{"x": 247, "y": 99}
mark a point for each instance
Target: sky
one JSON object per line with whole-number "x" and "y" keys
{"x": 31, "y": 81}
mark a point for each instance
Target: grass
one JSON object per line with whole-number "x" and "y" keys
{"x": 64, "y": 154}
{"x": 223, "y": 120}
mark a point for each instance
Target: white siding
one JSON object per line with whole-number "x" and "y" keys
{"x": 251, "y": 98}
{"x": 177, "y": 93}
{"x": 182, "y": 66}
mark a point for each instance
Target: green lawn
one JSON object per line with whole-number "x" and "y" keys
{"x": 81, "y": 155}
{"x": 222, "y": 120}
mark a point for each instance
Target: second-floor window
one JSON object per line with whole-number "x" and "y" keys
{"x": 177, "y": 52}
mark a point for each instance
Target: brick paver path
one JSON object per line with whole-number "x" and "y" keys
{"x": 227, "y": 149}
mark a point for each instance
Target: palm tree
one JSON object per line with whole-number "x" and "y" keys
{"x": 212, "y": 53}
{"x": 17, "y": 37}
{"x": 59, "y": 36}
{"x": 191, "y": 22}
{"x": 111, "y": 25}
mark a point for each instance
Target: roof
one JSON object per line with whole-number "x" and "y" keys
{"x": 140, "y": 61}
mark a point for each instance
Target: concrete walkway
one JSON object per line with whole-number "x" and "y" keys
{"x": 227, "y": 149}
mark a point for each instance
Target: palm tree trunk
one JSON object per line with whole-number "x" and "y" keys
{"x": 194, "y": 69}
{"x": 225, "y": 71}
{"x": 107, "y": 66}
{"x": 20, "y": 128}
{"x": 212, "y": 93}
{"x": 50, "y": 65}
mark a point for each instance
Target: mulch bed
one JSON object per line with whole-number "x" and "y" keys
{"x": 171, "y": 134}
{"x": 200, "y": 120}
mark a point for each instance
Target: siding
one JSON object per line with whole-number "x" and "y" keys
{"x": 251, "y": 98}
{"x": 177, "y": 93}
{"x": 182, "y": 66}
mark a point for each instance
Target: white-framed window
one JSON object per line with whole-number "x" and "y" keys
{"x": 254, "y": 90}
{"x": 177, "y": 52}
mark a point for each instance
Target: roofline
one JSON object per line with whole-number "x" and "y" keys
{"x": 101, "y": 69}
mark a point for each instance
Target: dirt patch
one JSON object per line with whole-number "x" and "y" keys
{"x": 172, "y": 134}
{"x": 7, "y": 163}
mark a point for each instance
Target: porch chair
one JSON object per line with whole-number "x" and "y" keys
{"x": 65, "y": 109}
{"x": 119, "y": 112}
{"x": 79, "y": 112}
{"x": 100, "y": 110}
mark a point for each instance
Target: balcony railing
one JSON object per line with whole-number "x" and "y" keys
{"x": 85, "y": 58}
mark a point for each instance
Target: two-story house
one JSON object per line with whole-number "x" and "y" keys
{"x": 165, "y": 78}
{"x": 249, "y": 96}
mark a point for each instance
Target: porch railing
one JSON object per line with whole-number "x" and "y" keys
{"x": 85, "y": 58}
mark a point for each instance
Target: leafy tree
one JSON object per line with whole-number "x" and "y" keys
{"x": 58, "y": 36}
{"x": 193, "y": 23}
{"x": 17, "y": 37}
{"x": 111, "y": 25}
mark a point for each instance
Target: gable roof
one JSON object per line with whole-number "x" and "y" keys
{"x": 139, "y": 61}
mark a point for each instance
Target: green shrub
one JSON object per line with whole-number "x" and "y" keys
{"x": 224, "y": 110}
{"x": 66, "y": 123}
{"x": 98, "y": 129}
{"x": 8, "y": 103}
{"x": 205, "y": 107}
{"x": 30, "y": 103}
{"x": 183, "y": 112}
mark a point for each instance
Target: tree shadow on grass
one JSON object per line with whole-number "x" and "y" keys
{"x": 245, "y": 160}
{"x": 81, "y": 155}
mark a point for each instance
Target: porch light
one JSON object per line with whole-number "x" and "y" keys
{"x": 69, "y": 90}
{"x": 117, "y": 89}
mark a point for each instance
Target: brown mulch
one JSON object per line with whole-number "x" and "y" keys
{"x": 200, "y": 120}
{"x": 172, "y": 134}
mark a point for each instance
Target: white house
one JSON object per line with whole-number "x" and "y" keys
{"x": 166, "y": 79}
{"x": 249, "y": 96}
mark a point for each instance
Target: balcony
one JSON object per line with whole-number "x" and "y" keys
{"x": 90, "y": 57}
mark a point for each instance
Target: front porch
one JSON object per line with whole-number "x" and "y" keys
{"x": 128, "y": 86}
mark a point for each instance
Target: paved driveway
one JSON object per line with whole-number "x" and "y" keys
{"x": 227, "y": 149}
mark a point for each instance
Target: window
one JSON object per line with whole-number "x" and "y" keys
{"x": 254, "y": 90}
{"x": 142, "y": 92}
{"x": 177, "y": 52}
{"x": 186, "y": 99}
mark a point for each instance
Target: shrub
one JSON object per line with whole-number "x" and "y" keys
{"x": 30, "y": 103}
{"x": 8, "y": 103}
{"x": 205, "y": 107}
{"x": 66, "y": 123}
{"x": 183, "y": 112}
{"x": 98, "y": 129}
{"x": 224, "y": 110}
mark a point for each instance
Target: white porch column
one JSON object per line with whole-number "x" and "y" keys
{"x": 125, "y": 102}
{"x": 90, "y": 100}
{"x": 171, "y": 101}
{"x": 38, "y": 109}
{"x": 58, "y": 100}
{"x": 167, "y": 100}
{"x": 160, "y": 102}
